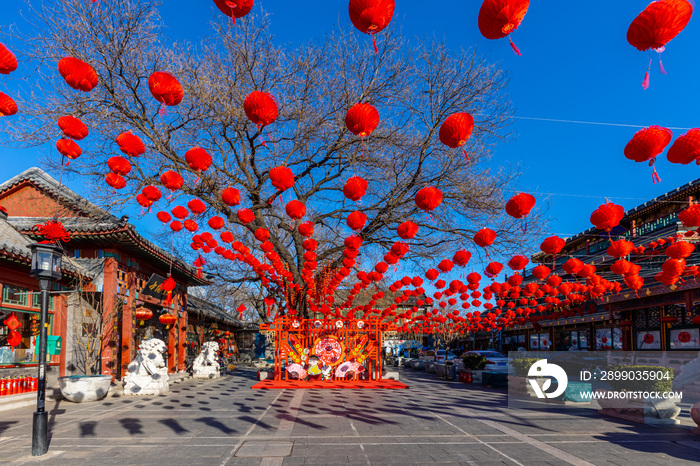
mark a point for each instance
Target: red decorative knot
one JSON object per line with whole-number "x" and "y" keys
{"x": 52, "y": 231}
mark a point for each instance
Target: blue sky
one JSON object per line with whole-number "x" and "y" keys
{"x": 576, "y": 65}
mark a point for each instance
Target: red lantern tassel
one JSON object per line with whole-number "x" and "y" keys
{"x": 655, "y": 176}
{"x": 162, "y": 111}
{"x": 374, "y": 42}
{"x": 645, "y": 83}
{"x": 466, "y": 156}
{"x": 514, "y": 47}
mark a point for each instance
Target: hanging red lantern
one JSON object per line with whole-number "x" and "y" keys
{"x": 131, "y": 144}
{"x": 620, "y": 248}
{"x": 371, "y": 16}
{"x": 172, "y": 180}
{"x": 484, "y": 237}
{"x": 8, "y": 61}
{"x": 428, "y": 198}
{"x": 179, "y": 212}
{"x": 262, "y": 234}
{"x": 621, "y": 267}
{"x": 190, "y": 225}
{"x": 8, "y": 107}
{"x": 235, "y": 8}
{"x": 115, "y": 181}
{"x": 573, "y": 266}
{"x": 552, "y": 245}
{"x": 407, "y": 230}
{"x": 461, "y": 257}
{"x": 197, "y": 206}
{"x": 686, "y": 148}
{"x": 679, "y": 250}
{"x": 445, "y": 265}
{"x": 498, "y": 18}
{"x": 690, "y": 217}
{"x": 163, "y": 216}
{"x": 14, "y": 338}
{"x": 72, "y": 127}
{"x": 607, "y": 216}
{"x": 68, "y": 148}
{"x": 151, "y": 193}
{"x": 654, "y": 27}
{"x": 245, "y": 216}
{"x": 260, "y": 108}
{"x": 355, "y": 188}
{"x": 493, "y": 269}
{"x": 362, "y": 119}
{"x": 216, "y": 222}
{"x": 142, "y": 314}
{"x": 456, "y": 130}
{"x": 647, "y": 143}
{"x": 226, "y": 236}
{"x": 357, "y": 220}
{"x": 541, "y": 272}
{"x": 518, "y": 262}
{"x": 176, "y": 226}
{"x": 295, "y": 209}
{"x": 306, "y": 229}
{"x": 119, "y": 165}
{"x": 431, "y": 274}
{"x": 167, "y": 320}
{"x": 231, "y": 197}
{"x": 281, "y": 178}
{"x": 78, "y": 74}
{"x": 143, "y": 201}
{"x": 165, "y": 88}
{"x": 198, "y": 159}
{"x": 520, "y": 205}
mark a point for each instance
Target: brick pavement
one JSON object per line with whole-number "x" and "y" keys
{"x": 222, "y": 421}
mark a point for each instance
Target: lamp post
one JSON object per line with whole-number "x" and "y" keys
{"x": 46, "y": 267}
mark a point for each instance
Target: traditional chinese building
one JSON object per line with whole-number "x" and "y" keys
{"x": 125, "y": 270}
{"x": 657, "y": 317}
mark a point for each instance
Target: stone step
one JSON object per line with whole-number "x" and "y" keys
{"x": 22, "y": 400}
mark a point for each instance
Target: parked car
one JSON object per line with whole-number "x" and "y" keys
{"x": 495, "y": 361}
{"x": 442, "y": 356}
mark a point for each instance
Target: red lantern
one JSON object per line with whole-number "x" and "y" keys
{"x": 621, "y": 267}
{"x": 456, "y": 130}
{"x": 163, "y": 216}
{"x": 8, "y": 107}
{"x": 647, "y": 143}
{"x": 485, "y": 237}
{"x": 119, "y": 165}
{"x": 14, "y": 338}
{"x": 151, "y": 193}
{"x": 541, "y": 272}
{"x": 142, "y": 314}
{"x": 362, "y": 119}
{"x": 520, "y": 205}
{"x": 407, "y": 230}
{"x": 295, "y": 209}
{"x": 68, "y": 148}
{"x": 660, "y": 22}
{"x": 130, "y": 144}
{"x": 262, "y": 234}
{"x": 355, "y": 188}
{"x": 607, "y": 216}
{"x": 282, "y": 178}
{"x": 573, "y": 266}
{"x": 172, "y": 180}
{"x": 216, "y": 222}
{"x": 431, "y": 274}
{"x": 552, "y": 245}
{"x": 78, "y": 74}
{"x": 498, "y": 18}
{"x": 190, "y": 225}
{"x": 493, "y": 269}
{"x": 518, "y": 262}
{"x": 620, "y": 248}
{"x": 115, "y": 181}
{"x": 72, "y": 127}
{"x": 198, "y": 159}
{"x": 680, "y": 250}
{"x": 245, "y": 216}
{"x": 8, "y": 61}
{"x": 231, "y": 197}
{"x": 306, "y": 229}
{"x": 197, "y": 206}
{"x": 235, "y": 8}
{"x": 226, "y": 236}
{"x": 165, "y": 88}
{"x": 143, "y": 201}
{"x": 445, "y": 265}
{"x": 167, "y": 320}
{"x": 462, "y": 257}
{"x": 428, "y": 198}
{"x": 176, "y": 226}
{"x": 686, "y": 148}
{"x": 690, "y": 217}
{"x": 371, "y": 16}
{"x": 179, "y": 212}
{"x": 260, "y": 108}
{"x": 357, "y": 220}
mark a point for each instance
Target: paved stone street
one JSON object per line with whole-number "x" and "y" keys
{"x": 223, "y": 421}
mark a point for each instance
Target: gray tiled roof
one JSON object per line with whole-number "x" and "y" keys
{"x": 212, "y": 311}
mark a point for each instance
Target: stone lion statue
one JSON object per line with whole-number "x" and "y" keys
{"x": 147, "y": 373}
{"x": 205, "y": 365}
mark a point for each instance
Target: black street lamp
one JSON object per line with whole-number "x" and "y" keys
{"x": 46, "y": 267}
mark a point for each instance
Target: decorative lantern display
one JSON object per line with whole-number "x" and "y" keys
{"x": 131, "y": 144}
{"x": 362, "y": 119}
{"x": 8, "y": 61}
{"x": 167, "y": 320}
{"x": 428, "y": 198}
{"x": 78, "y": 74}
{"x": 260, "y": 108}
{"x": 165, "y": 88}
{"x": 371, "y": 16}
{"x": 498, "y": 18}
{"x": 235, "y": 9}
{"x": 72, "y": 127}
{"x": 8, "y": 107}
{"x": 142, "y": 314}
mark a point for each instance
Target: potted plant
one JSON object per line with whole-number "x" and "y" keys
{"x": 474, "y": 366}
{"x": 86, "y": 332}
{"x": 648, "y": 410}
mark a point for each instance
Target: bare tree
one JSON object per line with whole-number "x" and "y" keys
{"x": 414, "y": 88}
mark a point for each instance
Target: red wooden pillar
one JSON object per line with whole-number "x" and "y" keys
{"x": 60, "y": 328}
{"x": 109, "y": 293}
{"x": 172, "y": 337}
{"x": 127, "y": 327}
{"x": 182, "y": 331}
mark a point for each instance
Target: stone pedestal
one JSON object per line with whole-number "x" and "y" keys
{"x": 205, "y": 365}
{"x": 147, "y": 373}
